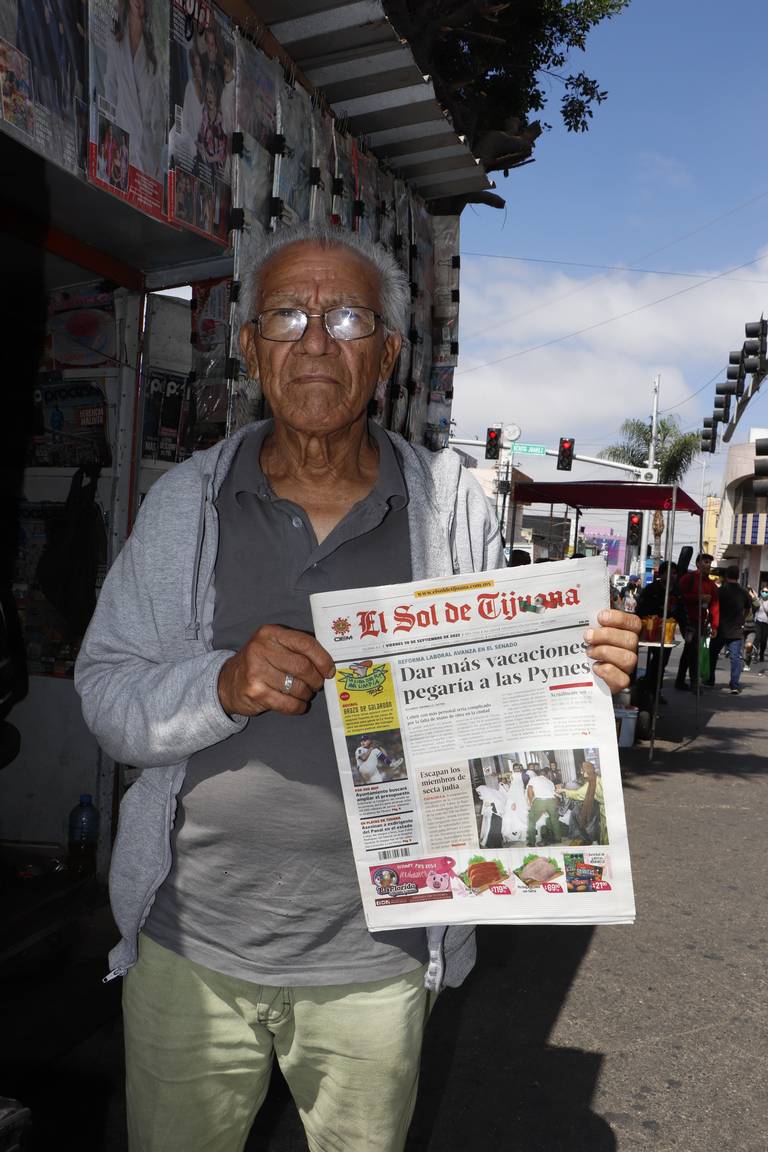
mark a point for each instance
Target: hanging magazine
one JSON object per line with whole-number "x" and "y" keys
{"x": 477, "y": 752}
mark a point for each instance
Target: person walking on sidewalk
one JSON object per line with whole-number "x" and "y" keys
{"x": 734, "y": 603}
{"x": 761, "y": 623}
{"x": 700, "y": 595}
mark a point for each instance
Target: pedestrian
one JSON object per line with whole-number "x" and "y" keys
{"x": 542, "y": 801}
{"x": 734, "y": 602}
{"x": 233, "y": 880}
{"x": 761, "y": 623}
{"x": 699, "y": 592}
{"x": 630, "y": 594}
{"x": 650, "y": 602}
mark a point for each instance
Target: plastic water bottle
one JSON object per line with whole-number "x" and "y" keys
{"x": 83, "y": 836}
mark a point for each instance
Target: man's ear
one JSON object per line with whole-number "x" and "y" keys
{"x": 389, "y": 354}
{"x": 248, "y": 349}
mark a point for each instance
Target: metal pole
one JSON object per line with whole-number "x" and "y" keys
{"x": 662, "y": 649}
{"x": 504, "y": 498}
{"x": 651, "y": 460}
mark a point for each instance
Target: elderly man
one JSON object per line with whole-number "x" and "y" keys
{"x": 232, "y": 879}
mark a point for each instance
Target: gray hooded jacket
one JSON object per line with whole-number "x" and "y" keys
{"x": 147, "y": 672}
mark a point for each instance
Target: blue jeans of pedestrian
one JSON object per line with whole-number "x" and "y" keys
{"x": 733, "y": 647}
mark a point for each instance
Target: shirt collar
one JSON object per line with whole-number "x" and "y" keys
{"x": 247, "y": 474}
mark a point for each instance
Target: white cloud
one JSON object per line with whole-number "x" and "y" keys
{"x": 585, "y": 386}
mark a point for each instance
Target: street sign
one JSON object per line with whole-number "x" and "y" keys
{"x": 531, "y": 449}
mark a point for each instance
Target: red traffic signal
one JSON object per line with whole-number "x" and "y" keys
{"x": 634, "y": 529}
{"x": 492, "y": 443}
{"x": 565, "y": 454}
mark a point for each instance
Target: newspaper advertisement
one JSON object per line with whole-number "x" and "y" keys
{"x": 477, "y": 751}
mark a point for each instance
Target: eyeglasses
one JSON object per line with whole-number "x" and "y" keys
{"x": 344, "y": 322}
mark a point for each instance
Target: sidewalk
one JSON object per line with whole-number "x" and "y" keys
{"x": 616, "y": 1039}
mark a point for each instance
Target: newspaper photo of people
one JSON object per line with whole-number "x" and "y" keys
{"x": 377, "y": 757}
{"x": 202, "y": 119}
{"x": 538, "y": 799}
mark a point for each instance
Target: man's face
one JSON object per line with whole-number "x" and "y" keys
{"x": 318, "y": 384}
{"x": 704, "y": 566}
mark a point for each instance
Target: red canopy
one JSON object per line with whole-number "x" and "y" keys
{"x": 602, "y": 494}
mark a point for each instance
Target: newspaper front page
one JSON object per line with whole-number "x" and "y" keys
{"x": 476, "y": 749}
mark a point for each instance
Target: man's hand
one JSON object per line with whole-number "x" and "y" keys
{"x": 613, "y": 647}
{"x": 253, "y": 680}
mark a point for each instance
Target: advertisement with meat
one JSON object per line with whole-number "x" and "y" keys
{"x": 128, "y": 134}
{"x": 202, "y": 117}
{"x": 477, "y": 751}
{"x": 43, "y": 78}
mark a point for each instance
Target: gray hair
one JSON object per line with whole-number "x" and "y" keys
{"x": 394, "y": 290}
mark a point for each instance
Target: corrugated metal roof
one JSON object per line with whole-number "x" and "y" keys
{"x": 353, "y": 54}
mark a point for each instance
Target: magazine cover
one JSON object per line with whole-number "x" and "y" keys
{"x": 43, "y": 78}
{"x": 128, "y": 135}
{"x": 387, "y": 220}
{"x": 80, "y": 329}
{"x": 398, "y": 412}
{"x": 445, "y": 307}
{"x": 209, "y": 392}
{"x": 366, "y": 193}
{"x": 323, "y": 162}
{"x": 292, "y": 182}
{"x": 438, "y": 423}
{"x": 402, "y": 225}
{"x": 166, "y": 416}
{"x": 69, "y": 422}
{"x": 477, "y": 751}
{"x": 256, "y": 117}
{"x": 344, "y": 184}
{"x": 202, "y": 119}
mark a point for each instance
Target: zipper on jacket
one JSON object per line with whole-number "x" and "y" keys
{"x": 113, "y": 975}
{"x": 192, "y": 630}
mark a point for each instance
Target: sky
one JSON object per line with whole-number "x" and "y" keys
{"x": 669, "y": 188}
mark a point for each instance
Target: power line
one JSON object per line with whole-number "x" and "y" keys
{"x": 609, "y": 320}
{"x": 605, "y": 267}
{"x": 653, "y": 252}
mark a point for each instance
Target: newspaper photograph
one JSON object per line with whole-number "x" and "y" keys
{"x": 476, "y": 749}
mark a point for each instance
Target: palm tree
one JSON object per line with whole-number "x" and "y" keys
{"x": 673, "y": 456}
{"x": 674, "y": 452}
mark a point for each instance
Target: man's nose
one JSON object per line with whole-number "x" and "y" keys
{"x": 315, "y": 339}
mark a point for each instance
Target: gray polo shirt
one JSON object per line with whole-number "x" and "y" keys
{"x": 263, "y": 884}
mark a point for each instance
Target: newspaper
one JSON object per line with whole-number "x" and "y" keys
{"x": 477, "y": 751}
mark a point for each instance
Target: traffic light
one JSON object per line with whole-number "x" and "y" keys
{"x": 634, "y": 529}
{"x": 760, "y": 482}
{"x": 755, "y": 346}
{"x": 493, "y": 442}
{"x": 565, "y": 454}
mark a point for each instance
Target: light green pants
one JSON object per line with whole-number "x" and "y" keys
{"x": 199, "y": 1051}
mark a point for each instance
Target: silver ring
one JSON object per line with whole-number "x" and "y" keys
{"x": 287, "y": 683}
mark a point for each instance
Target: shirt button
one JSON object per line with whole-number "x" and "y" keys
{"x": 297, "y": 522}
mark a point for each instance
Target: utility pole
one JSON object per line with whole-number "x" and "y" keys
{"x": 651, "y": 462}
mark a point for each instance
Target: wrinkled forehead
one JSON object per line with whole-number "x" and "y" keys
{"x": 305, "y": 271}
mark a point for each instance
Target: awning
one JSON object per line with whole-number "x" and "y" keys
{"x": 614, "y": 494}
